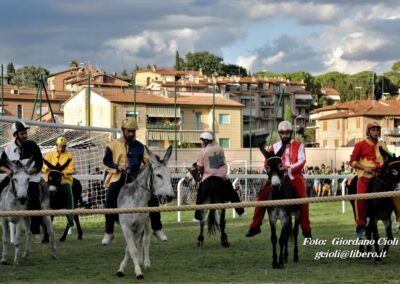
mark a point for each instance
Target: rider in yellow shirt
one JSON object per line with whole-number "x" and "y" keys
{"x": 59, "y": 158}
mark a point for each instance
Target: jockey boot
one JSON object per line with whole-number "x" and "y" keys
{"x": 160, "y": 235}
{"x": 107, "y": 239}
{"x": 253, "y": 231}
{"x": 307, "y": 235}
{"x": 360, "y": 232}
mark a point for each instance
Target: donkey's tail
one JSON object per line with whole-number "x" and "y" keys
{"x": 212, "y": 222}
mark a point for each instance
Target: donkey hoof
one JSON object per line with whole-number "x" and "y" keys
{"x": 4, "y": 262}
{"x": 225, "y": 244}
{"x": 120, "y": 274}
{"x": 62, "y": 239}
{"x": 296, "y": 258}
{"x": 199, "y": 244}
{"x": 80, "y": 237}
{"x": 140, "y": 276}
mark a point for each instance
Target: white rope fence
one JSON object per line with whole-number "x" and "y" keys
{"x": 267, "y": 203}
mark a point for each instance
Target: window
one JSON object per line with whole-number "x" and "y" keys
{"x": 131, "y": 113}
{"x": 224, "y": 142}
{"x": 325, "y": 125}
{"x": 224, "y": 119}
{"x": 338, "y": 124}
{"x": 336, "y": 143}
{"x": 358, "y": 122}
{"x": 182, "y": 117}
{"x": 198, "y": 120}
{"x": 20, "y": 110}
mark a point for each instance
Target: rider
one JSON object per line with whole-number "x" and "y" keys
{"x": 59, "y": 157}
{"x": 23, "y": 151}
{"x": 211, "y": 162}
{"x": 122, "y": 159}
{"x": 367, "y": 160}
{"x": 293, "y": 160}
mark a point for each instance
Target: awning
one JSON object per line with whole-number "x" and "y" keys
{"x": 162, "y": 111}
{"x": 303, "y": 97}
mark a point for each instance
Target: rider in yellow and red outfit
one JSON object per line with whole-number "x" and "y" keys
{"x": 367, "y": 161}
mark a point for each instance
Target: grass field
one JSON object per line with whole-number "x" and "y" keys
{"x": 178, "y": 260}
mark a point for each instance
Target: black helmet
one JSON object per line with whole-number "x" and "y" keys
{"x": 18, "y": 126}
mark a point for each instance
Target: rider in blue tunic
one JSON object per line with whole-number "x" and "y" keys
{"x": 122, "y": 159}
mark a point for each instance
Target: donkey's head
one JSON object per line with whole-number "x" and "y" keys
{"x": 161, "y": 177}
{"x": 274, "y": 167}
{"x": 55, "y": 174}
{"x": 193, "y": 175}
{"x": 19, "y": 182}
{"x": 390, "y": 171}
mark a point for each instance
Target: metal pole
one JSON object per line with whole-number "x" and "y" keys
{"x": 88, "y": 102}
{"x": 2, "y": 91}
{"x": 134, "y": 95}
{"x": 175, "y": 130}
{"x": 250, "y": 122}
{"x": 213, "y": 112}
{"x": 41, "y": 98}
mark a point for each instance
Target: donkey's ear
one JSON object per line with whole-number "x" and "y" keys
{"x": 386, "y": 155}
{"x": 262, "y": 149}
{"x": 152, "y": 156}
{"x": 63, "y": 167}
{"x": 167, "y": 154}
{"x": 50, "y": 166}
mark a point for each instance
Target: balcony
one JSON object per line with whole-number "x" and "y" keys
{"x": 162, "y": 126}
{"x": 394, "y": 132}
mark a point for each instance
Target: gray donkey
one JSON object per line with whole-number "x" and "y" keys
{"x": 154, "y": 179}
{"x": 15, "y": 197}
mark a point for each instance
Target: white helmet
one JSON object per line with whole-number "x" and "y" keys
{"x": 285, "y": 126}
{"x": 207, "y": 136}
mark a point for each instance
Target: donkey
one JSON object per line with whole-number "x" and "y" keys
{"x": 154, "y": 179}
{"x": 213, "y": 190}
{"x": 58, "y": 198}
{"x": 15, "y": 197}
{"x": 388, "y": 179}
{"x": 280, "y": 189}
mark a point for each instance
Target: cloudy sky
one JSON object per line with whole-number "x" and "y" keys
{"x": 279, "y": 36}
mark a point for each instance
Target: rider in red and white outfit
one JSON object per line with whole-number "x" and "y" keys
{"x": 293, "y": 159}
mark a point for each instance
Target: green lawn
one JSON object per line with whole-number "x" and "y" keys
{"x": 178, "y": 260}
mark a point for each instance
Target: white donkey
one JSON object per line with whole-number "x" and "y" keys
{"x": 15, "y": 197}
{"x": 154, "y": 179}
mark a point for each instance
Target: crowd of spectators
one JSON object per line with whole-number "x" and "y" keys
{"x": 325, "y": 186}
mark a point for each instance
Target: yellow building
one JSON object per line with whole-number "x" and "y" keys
{"x": 156, "y": 116}
{"x": 344, "y": 124}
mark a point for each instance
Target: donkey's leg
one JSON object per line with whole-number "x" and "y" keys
{"x": 28, "y": 237}
{"x": 133, "y": 251}
{"x": 4, "y": 224}
{"x": 222, "y": 223}
{"x": 283, "y": 238}
{"x": 295, "y": 236}
{"x": 273, "y": 241}
{"x": 50, "y": 231}
{"x": 389, "y": 233}
{"x": 146, "y": 246}
{"x": 78, "y": 227}
{"x": 17, "y": 242}
{"x": 65, "y": 233}
{"x": 124, "y": 263}
{"x": 200, "y": 238}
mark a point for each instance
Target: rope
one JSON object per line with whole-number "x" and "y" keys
{"x": 267, "y": 203}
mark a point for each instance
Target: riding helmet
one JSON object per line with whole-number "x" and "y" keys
{"x": 130, "y": 123}
{"x": 285, "y": 126}
{"x": 18, "y": 126}
{"x": 207, "y": 136}
{"x": 62, "y": 141}
{"x": 373, "y": 125}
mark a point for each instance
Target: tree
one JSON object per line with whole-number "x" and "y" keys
{"x": 10, "y": 68}
{"x": 179, "y": 62}
{"x": 287, "y": 115}
{"x": 73, "y": 63}
{"x": 209, "y": 63}
{"x": 29, "y": 75}
{"x": 124, "y": 72}
{"x": 232, "y": 69}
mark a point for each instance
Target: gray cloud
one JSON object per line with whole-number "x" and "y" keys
{"x": 118, "y": 34}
